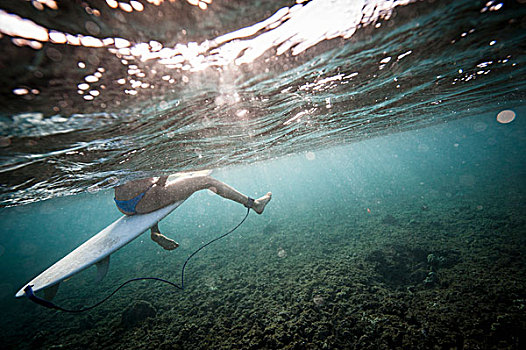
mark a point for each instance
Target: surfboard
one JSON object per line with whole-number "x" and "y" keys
{"x": 97, "y": 249}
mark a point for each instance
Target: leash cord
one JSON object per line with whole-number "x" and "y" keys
{"x": 31, "y": 295}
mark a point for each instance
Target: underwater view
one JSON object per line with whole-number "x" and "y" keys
{"x": 391, "y": 133}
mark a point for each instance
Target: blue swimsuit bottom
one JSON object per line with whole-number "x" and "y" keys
{"x": 128, "y": 206}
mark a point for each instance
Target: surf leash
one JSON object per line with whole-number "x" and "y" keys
{"x": 46, "y": 303}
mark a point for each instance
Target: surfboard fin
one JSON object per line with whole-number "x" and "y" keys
{"x": 102, "y": 268}
{"x": 49, "y": 293}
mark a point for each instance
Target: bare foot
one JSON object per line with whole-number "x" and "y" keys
{"x": 163, "y": 241}
{"x": 260, "y": 203}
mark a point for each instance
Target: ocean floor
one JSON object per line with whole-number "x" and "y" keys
{"x": 447, "y": 273}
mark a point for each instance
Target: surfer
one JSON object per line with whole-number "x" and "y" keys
{"x": 146, "y": 195}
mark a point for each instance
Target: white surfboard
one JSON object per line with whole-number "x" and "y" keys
{"x": 98, "y": 248}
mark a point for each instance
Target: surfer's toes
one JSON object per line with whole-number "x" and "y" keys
{"x": 260, "y": 203}
{"x": 170, "y": 244}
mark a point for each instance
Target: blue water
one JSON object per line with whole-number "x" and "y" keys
{"x": 319, "y": 216}
{"x": 397, "y": 218}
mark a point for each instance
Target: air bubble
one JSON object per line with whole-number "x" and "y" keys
{"x": 506, "y": 116}
{"x": 310, "y": 155}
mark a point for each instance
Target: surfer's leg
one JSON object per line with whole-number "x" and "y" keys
{"x": 181, "y": 189}
{"x": 163, "y": 241}
{"x": 197, "y": 183}
{"x": 225, "y": 191}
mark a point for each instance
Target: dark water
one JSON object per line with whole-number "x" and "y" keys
{"x": 391, "y": 134}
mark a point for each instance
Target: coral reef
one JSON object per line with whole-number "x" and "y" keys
{"x": 449, "y": 278}
{"x": 137, "y": 312}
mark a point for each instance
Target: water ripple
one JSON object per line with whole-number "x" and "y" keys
{"x": 82, "y": 118}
